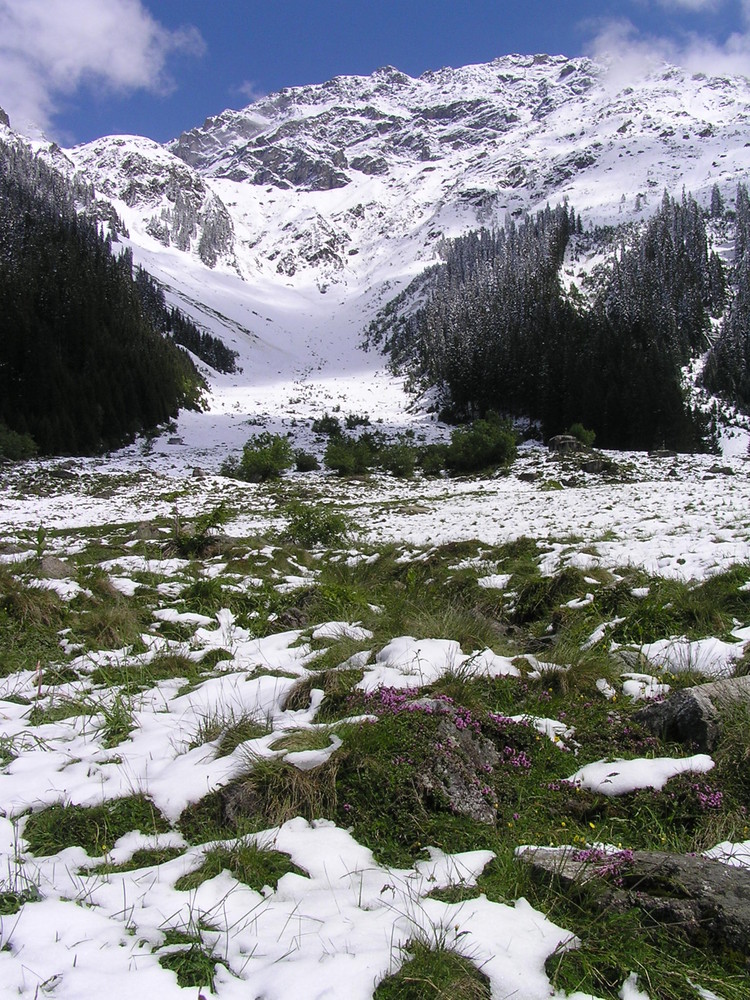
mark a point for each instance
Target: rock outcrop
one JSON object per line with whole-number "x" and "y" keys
{"x": 694, "y": 715}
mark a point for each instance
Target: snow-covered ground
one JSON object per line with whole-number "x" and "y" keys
{"x": 336, "y": 933}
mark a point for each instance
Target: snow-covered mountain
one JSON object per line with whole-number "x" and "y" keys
{"x": 284, "y": 226}
{"x": 325, "y": 181}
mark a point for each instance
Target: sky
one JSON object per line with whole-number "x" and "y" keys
{"x": 79, "y": 69}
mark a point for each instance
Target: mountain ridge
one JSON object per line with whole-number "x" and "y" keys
{"x": 304, "y": 181}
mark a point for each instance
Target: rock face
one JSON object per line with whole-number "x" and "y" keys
{"x": 405, "y": 161}
{"x": 693, "y": 715}
{"x": 701, "y": 899}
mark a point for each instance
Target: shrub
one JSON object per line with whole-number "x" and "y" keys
{"x": 193, "y": 539}
{"x": 585, "y": 436}
{"x": 16, "y": 446}
{"x": 482, "y": 445}
{"x": 432, "y": 459}
{"x": 265, "y": 457}
{"x": 353, "y": 420}
{"x": 328, "y": 425}
{"x": 310, "y": 525}
{"x": 306, "y": 461}
{"x": 349, "y": 456}
{"x": 400, "y": 459}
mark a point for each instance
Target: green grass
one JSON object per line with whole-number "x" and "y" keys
{"x": 43, "y": 714}
{"x": 255, "y": 866}
{"x": 145, "y": 857}
{"x": 94, "y": 828}
{"x": 239, "y": 730}
{"x": 434, "y": 973}
{"x": 338, "y": 690}
{"x": 614, "y": 944}
{"x": 194, "y": 966}
{"x": 303, "y": 739}
{"x": 369, "y": 783}
{"x": 30, "y": 621}
{"x": 141, "y": 673}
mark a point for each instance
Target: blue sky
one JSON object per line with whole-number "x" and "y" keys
{"x": 84, "y": 68}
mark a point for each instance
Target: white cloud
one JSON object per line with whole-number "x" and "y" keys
{"x": 630, "y": 53}
{"x": 697, "y": 5}
{"x": 250, "y": 91}
{"x": 51, "y": 48}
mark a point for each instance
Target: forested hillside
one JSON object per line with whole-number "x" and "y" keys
{"x": 727, "y": 370}
{"x": 497, "y": 330}
{"x": 82, "y": 364}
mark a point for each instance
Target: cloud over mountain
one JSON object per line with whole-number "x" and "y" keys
{"x": 49, "y": 49}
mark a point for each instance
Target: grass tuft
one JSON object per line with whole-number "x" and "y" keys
{"x": 255, "y": 866}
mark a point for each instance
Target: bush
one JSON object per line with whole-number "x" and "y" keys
{"x": 16, "y": 446}
{"x": 310, "y": 526}
{"x": 586, "y": 437}
{"x": 328, "y": 425}
{"x": 349, "y": 456}
{"x": 306, "y": 461}
{"x": 353, "y": 420}
{"x": 481, "y": 445}
{"x": 265, "y": 457}
{"x": 432, "y": 459}
{"x": 400, "y": 459}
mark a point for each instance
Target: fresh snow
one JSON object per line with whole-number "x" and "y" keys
{"x": 618, "y": 777}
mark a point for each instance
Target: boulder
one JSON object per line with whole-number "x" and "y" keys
{"x": 565, "y": 444}
{"x": 701, "y": 899}
{"x": 452, "y": 774}
{"x": 693, "y": 715}
{"x": 52, "y": 568}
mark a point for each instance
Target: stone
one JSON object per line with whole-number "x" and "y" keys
{"x": 453, "y": 774}
{"x": 693, "y": 715}
{"x": 146, "y": 531}
{"x": 565, "y": 444}
{"x": 701, "y": 899}
{"x": 52, "y": 568}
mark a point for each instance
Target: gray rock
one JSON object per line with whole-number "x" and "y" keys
{"x": 52, "y": 568}
{"x": 565, "y": 444}
{"x": 693, "y": 715}
{"x": 701, "y": 899}
{"x": 453, "y": 774}
{"x": 146, "y": 531}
